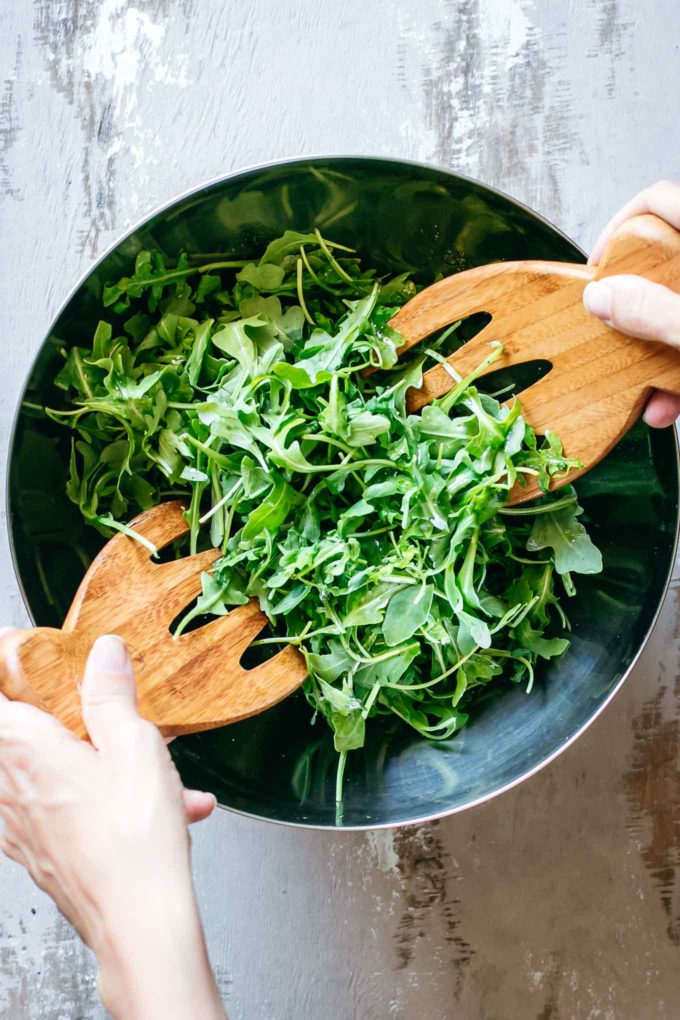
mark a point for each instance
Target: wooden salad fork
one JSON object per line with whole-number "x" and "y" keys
{"x": 599, "y": 381}
{"x": 600, "y": 378}
{"x": 191, "y": 683}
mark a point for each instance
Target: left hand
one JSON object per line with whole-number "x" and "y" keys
{"x": 102, "y": 828}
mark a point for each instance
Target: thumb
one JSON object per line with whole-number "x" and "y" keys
{"x": 108, "y": 690}
{"x": 636, "y": 306}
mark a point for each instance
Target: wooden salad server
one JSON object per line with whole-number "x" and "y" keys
{"x": 191, "y": 683}
{"x": 600, "y": 379}
{"x": 597, "y": 386}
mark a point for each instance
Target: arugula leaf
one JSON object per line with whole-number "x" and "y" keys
{"x": 271, "y": 513}
{"x": 406, "y": 613}
{"x": 573, "y": 550}
{"x": 288, "y": 244}
{"x": 323, "y": 353}
{"x": 199, "y": 347}
{"x": 376, "y": 541}
{"x": 365, "y": 428}
{"x": 349, "y": 730}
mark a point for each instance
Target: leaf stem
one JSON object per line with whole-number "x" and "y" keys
{"x": 301, "y": 293}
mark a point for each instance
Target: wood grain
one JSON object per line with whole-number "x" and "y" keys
{"x": 599, "y": 379}
{"x": 184, "y": 685}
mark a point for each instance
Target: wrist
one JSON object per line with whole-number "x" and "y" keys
{"x": 153, "y": 960}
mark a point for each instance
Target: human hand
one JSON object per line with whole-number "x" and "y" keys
{"x": 637, "y": 306}
{"x": 102, "y": 828}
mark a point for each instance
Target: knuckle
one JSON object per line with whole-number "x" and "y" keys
{"x": 10, "y": 845}
{"x": 44, "y": 870}
{"x": 9, "y": 849}
{"x": 150, "y": 737}
{"x": 636, "y": 315}
{"x": 628, "y": 309}
{"x": 17, "y": 754}
{"x": 647, "y": 310}
{"x": 140, "y": 734}
{"x": 631, "y": 309}
{"x": 669, "y": 330}
{"x": 146, "y": 731}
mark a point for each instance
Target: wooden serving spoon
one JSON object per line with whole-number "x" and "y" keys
{"x": 600, "y": 379}
{"x": 191, "y": 683}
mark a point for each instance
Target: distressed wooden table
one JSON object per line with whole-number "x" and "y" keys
{"x": 557, "y": 901}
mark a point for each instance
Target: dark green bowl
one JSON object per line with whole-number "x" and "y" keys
{"x": 400, "y": 216}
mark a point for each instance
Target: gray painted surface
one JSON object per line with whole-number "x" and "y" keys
{"x": 558, "y": 901}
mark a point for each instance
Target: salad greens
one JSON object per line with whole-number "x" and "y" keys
{"x": 376, "y": 541}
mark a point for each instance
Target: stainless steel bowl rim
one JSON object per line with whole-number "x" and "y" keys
{"x": 329, "y": 158}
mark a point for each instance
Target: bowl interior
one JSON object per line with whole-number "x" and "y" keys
{"x": 277, "y": 766}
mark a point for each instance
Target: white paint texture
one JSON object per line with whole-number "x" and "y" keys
{"x": 122, "y": 39}
{"x": 557, "y": 901}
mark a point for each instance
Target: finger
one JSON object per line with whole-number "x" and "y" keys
{"x": 108, "y": 693}
{"x": 662, "y": 199}
{"x": 11, "y": 822}
{"x": 198, "y": 805}
{"x": 25, "y": 726}
{"x": 662, "y": 410}
{"x": 636, "y": 306}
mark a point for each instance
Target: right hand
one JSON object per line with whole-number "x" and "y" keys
{"x": 637, "y": 306}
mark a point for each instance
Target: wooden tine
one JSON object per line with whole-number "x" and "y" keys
{"x": 162, "y": 524}
{"x": 197, "y": 681}
{"x": 178, "y": 581}
{"x": 502, "y": 290}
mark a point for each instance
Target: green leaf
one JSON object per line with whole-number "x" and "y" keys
{"x": 192, "y": 474}
{"x": 533, "y": 639}
{"x": 324, "y": 353}
{"x": 287, "y": 244}
{"x": 369, "y": 607}
{"x": 207, "y": 285}
{"x": 386, "y": 670}
{"x": 198, "y": 350}
{"x": 365, "y": 428}
{"x": 377, "y": 542}
{"x": 270, "y": 514}
{"x": 349, "y": 730}
{"x": 264, "y": 277}
{"x": 406, "y": 613}
{"x": 215, "y": 598}
{"x": 333, "y": 416}
{"x": 573, "y": 550}
{"x": 332, "y": 664}
{"x": 340, "y": 701}
{"x": 234, "y": 340}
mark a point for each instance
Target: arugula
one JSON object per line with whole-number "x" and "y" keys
{"x": 377, "y": 542}
{"x": 572, "y": 548}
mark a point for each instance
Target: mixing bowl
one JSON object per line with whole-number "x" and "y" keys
{"x": 399, "y": 216}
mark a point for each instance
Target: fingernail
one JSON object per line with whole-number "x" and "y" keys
{"x": 110, "y": 655}
{"x": 597, "y": 299}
